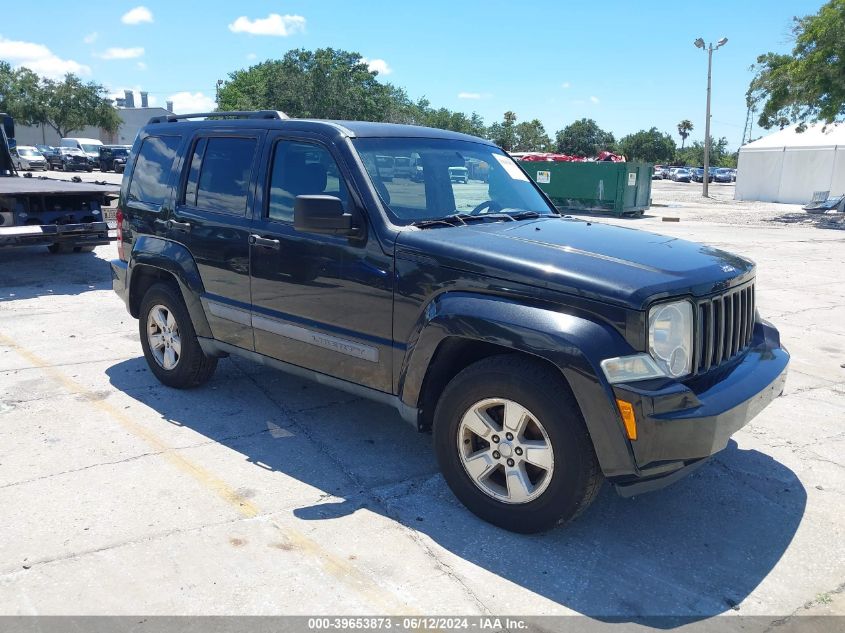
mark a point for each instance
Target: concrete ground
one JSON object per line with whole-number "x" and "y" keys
{"x": 264, "y": 494}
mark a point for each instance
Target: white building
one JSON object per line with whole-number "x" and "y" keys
{"x": 789, "y": 166}
{"x": 132, "y": 120}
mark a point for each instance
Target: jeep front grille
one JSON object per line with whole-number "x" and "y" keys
{"x": 725, "y": 327}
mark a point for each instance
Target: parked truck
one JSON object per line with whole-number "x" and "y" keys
{"x": 64, "y": 216}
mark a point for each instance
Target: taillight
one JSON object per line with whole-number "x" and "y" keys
{"x": 119, "y": 221}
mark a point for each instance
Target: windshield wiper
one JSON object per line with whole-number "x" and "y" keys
{"x": 461, "y": 219}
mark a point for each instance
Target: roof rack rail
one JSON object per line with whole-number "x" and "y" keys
{"x": 232, "y": 114}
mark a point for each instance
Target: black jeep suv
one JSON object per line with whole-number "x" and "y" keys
{"x": 544, "y": 353}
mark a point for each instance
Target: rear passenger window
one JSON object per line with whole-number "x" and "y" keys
{"x": 224, "y": 174}
{"x": 152, "y": 168}
{"x": 301, "y": 169}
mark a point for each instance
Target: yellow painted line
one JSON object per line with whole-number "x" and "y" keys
{"x": 335, "y": 566}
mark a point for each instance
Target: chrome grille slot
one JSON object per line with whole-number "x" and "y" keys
{"x": 724, "y": 327}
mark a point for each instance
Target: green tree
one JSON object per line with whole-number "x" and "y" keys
{"x": 684, "y": 128}
{"x": 504, "y": 134}
{"x": 322, "y": 84}
{"x": 583, "y": 138}
{"x": 71, "y": 104}
{"x": 531, "y": 136}
{"x": 651, "y": 146}
{"x": 720, "y": 156}
{"x": 20, "y": 94}
{"x": 807, "y": 85}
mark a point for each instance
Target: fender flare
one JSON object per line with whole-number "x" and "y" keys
{"x": 574, "y": 344}
{"x": 175, "y": 259}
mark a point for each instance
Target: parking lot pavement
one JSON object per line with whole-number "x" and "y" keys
{"x": 260, "y": 493}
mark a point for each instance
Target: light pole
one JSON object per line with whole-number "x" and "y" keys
{"x": 699, "y": 43}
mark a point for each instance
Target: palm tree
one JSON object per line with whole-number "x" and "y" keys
{"x": 684, "y": 128}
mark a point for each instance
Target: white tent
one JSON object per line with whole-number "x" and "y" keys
{"x": 789, "y": 166}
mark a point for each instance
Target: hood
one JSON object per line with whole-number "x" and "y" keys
{"x": 599, "y": 261}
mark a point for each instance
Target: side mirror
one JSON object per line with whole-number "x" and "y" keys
{"x": 321, "y": 214}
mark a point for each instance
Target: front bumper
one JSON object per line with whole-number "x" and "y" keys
{"x": 679, "y": 425}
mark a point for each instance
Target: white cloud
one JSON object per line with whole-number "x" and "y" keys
{"x": 273, "y": 24}
{"x": 122, "y": 53}
{"x": 474, "y": 95}
{"x": 565, "y": 85}
{"x": 141, "y": 66}
{"x": 187, "y": 102}
{"x": 594, "y": 99}
{"x": 39, "y": 59}
{"x": 377, "y": 65}
{"x": 90, "y": 38}
{"x": 137, "y": 16}
{"x": 251, "y": 56}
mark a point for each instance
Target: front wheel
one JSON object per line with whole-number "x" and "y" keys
{"x": 169, "y": 341}
{"x": 512, "y": 444}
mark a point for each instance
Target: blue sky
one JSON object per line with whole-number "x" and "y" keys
{"x": 628, "y": 65}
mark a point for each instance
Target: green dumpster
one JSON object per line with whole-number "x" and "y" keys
{"x": 606, "y": 187}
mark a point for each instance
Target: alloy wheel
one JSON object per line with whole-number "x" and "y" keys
{"x": 505, "y": 450}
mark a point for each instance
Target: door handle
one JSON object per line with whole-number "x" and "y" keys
{"x": 179, "y": 226}
{"x": 265, "y": 242}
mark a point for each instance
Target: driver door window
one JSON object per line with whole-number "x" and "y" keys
{"x": 301, "y": 169}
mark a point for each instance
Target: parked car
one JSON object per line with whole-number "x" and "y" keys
{"x": 459, "y": 174}
{"x": 723, "y": 174}
{"x": 402, "y": 167}
{"x": 44, "y": 149}
{"x": 27, "y": 158}
{"x": 543, "y": 352}
{"x": 88, "y": 146}
{"x": 697, "y": 175}
{"x": 681, "y": 175}
{"x": 69, "y": 159}
{"x": 113, "y": 157}
{"x": 657, "y": 174}
{"x": 386, "y": 168}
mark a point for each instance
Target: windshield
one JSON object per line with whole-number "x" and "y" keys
{"x": 490, "y": 182}
{"x": 28, "y": 152}
{"x": 90, "y": 149}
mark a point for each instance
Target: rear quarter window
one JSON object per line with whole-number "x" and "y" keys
{"x": 152, "y": 168}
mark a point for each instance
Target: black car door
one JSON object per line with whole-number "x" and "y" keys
{"x": 322, "y": 302}
{"x": 210, "y": 218}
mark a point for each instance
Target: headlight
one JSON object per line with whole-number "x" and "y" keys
{"x": 670, "y": 337}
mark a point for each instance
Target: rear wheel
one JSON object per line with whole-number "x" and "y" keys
{"x": 169, "y": 341}
{"x": 512, "y": 444}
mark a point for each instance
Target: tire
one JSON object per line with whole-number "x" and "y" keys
{"x": 555, "y": 426}
{"x": 83, "y": 249}
{"x": 60, "y": 248}
{"x": 192, "y": 367}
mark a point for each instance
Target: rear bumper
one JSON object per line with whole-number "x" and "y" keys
{"x": 119, "y": 277}
{"x": 680, "y": 425}
{"x": 82, "y": 234}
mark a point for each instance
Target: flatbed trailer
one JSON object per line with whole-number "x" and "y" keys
{"x": 65, "y": 216}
